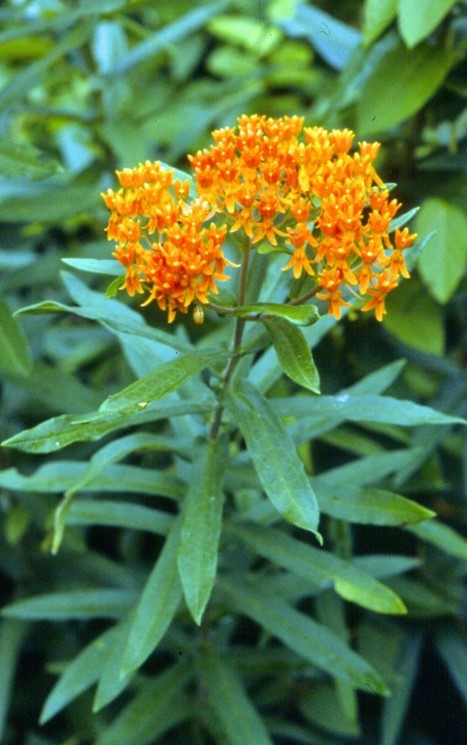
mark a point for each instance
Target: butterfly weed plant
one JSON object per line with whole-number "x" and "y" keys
{"x": 249, "y": 566}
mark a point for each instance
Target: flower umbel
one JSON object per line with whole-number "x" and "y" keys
{"x": 299, "y": 189}
{"x": 162, "y": 239}
{"x": 328, "y": 205}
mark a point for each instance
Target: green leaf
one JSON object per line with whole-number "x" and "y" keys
{"x": 309, "y": 639}
{"x": 368, "y": 470}
{"x": 63, "y": 606}
{"x": 396, "y": 705}
{"x": 334, "y": 40}
{"x": 11, "y": 637}
{"x": 423, "y": 601}
{"x": 299, "y": 315}
{"x": 227, "y": 697}
{"x": 364, "y": 408}
{"x": 112, "y": 314}
{"x": 416, "y": 319}
{"x": 119, "y": 515}
{"x": 157, "y": 606}
{"x": 451, "y": 646}
{"x": 418, "y": 18}
{"x": 108, "y": 43}
{"x": 377, "y": 382}
{"x": 174, "y": 33}
{"x": 275, "y": 458}
{"x": 320, "y": 567}
{"x": 111, "y": 683}
{"x": 230, "y": 62}
{"x": 60, "y": 390}
{"x": 378, "y": 15}
{"x": 57, "y": 433}
{"x": 418, "y": 72}
{"x": 441, "y": 536}
{"x": 369, "y": 506}
{"x": 442, "y": 263}
{"x": 401, "y": 220}
{"x": 120, "y": 448}
{"x": 201, "y": 522}
{"x": 158, "y": 706}
{"x": 293, "y": 353}
{"x": 24, "y": 160}
{"x": 164, "y": 379}
{"x": 79, "y": 675}
{"x": 49, "y": 202}
{"x": 59, "y": 476}
{"x": 31, "y": 75}
{"x": 321, "y": 706}
{"x": 250, "y": 33}
{"x": 15, "y": 357}
{"x": 97, "y": 266}
{"x": 331, "y": 612}
{"x": 384, "y": 565}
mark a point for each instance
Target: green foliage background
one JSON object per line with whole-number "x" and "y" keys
{"x": 291, "y": 631}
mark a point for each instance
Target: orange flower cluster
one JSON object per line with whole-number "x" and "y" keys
{"x": 270, "y": 179}
{"x": 163, "y": 241}
{"x": 330, "y": 206}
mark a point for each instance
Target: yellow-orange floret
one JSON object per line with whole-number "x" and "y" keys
{"x": 275, "y": 178}
{"x": 163, "y": 241}
{"x": 305, "y": 191}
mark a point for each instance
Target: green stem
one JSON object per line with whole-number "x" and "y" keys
{"x": 237, "y": 340}
{"x": 304, "y": 298}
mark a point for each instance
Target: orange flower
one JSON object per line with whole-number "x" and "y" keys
{"x": 329, "y": 204}
{"x": 272, "y": 180}
{"x": 163, "y": 241}
{"x": 383, "y": 285}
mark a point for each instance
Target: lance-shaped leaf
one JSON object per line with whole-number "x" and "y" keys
{"x": 58, "y": 476}
{"x": 114, "y": 315}
{"x": 293, "y": 353}
{"x": 201, "y": 526}
{"x": 79, "y": 675}
{"x": 321, "y": 567}
{"x": 15, "y": 356}
{"x": 309, "y": 639}
{"x": 451, "y": 646}
{"x": 159, "y": 705}
{"x": 274, "y": 456}
{"x": 331, "y": 612}
{"x": 63, "y": 606}
{"x": 60, "y": 431}
{"x": 395, "y": 706}
{"x": 159, "y": 601}
{"x": 368, "y": 470}
{"x": 369, "y": 506}
{"x": 442, "y": 536}
{"x": 120, "y": 447}
{"x": 299, "y": 315}
{"x": 119, "y": 515}
{"x": 12, "y": 633}
{"x": 110, "y": 267}
{"x": 362, "y": 408}
{"x": 111, "y": 683}
{"x": 228, "y": 698}
{"x": 162, "y": 380}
